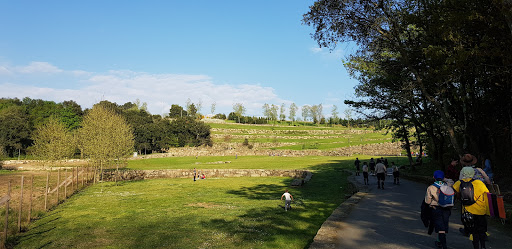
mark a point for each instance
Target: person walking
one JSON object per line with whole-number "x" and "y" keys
{"x": 365, "y": 173}
{"x": 288, "y": 198}
{"x": 396, "y": 174}
{"x": 357, "y": 163}
{"x": 371, "y": 164}
{"x": 440, "y": 215}
{"x": 477, "y": 222}
{"x": 380, "y": 170}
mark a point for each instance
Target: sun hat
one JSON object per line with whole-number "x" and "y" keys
{"x": 439, "y": 175}
{"x": 467, "y": 172}
{"x": 468, "y": 160}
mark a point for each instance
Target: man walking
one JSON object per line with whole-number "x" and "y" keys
{"x": 380, "y": 170}
{"x": 357, "y": 163}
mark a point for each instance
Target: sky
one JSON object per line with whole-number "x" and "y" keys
{"x": 166, "y": 52}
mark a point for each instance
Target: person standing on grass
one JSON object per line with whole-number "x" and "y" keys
{"x": 380, "y": 170}
{"x": 357, "y": 163}
{"x": 365, "y": 173}
{"x": 195, "y": 174}
{"x": 288, "y": 198}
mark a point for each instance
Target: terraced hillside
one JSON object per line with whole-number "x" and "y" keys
{"x": 247, "y": 139}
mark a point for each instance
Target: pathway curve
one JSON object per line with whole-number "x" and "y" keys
{"x": 390, "y": 219}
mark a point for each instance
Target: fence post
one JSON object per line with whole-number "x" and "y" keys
{"x": 72, "y": 178}
{"x": 6, "y": 214}
{"x": 46, "y": 191}
{"x": 66, "y": 185}
{"x": 58, "y": 183}
{"x": 30, "y": 203}
{"x": 21, "y": 203}
{"x": 83, "y": 174}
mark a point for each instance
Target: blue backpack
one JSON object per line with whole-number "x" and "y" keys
{"x": 446, "y": 195}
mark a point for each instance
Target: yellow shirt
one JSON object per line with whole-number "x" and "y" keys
{"x": 481, "y": 206}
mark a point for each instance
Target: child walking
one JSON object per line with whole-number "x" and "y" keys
{"x": 287, "y": 200}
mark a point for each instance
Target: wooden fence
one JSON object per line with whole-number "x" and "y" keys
{"x": 52, "y": 191}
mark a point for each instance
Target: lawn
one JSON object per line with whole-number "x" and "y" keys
{"x": 231, "y": 162}
{"x": 180, "y": 213}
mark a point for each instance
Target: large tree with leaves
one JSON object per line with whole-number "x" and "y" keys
{"x": 53, "y": 141}
{"x": 105, "y": 136}
{"x": 442, "y": 65}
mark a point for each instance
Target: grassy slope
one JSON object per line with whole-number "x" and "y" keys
{"x": 307, "y": 140}
{"x": 213, "y": 213}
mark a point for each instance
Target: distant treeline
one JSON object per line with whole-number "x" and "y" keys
{"x": 355, "y": 123}
{"x": 152, "y": 133}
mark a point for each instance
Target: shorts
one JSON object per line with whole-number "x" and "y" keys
{"x": 480, "y": 224}
{"x": 396, "y": 174}
{"x": 381, "y": 176}
{"x": 441, "y": 217}
{"x": 365, "y": 174}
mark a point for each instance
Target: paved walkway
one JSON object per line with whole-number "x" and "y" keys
{"x": 390, "y": 218}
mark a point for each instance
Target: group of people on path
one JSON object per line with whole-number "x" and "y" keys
{"x": 378, "y": 169}
{"x": 471, "y": 188}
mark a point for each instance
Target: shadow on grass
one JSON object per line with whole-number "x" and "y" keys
{"x": 313, "y": 204}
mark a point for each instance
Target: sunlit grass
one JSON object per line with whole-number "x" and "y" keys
{"x": 179, "y": 213}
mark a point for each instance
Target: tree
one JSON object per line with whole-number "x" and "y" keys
{"x": 105, "y": 136}
{"x": 53, "y": 141}
{"x": 273, "y": 112}
{"x": 282, "y": 110}
{"x": 293, "y": 111}
{"x": 15, "y": 130}
{"x": 434, "y": 57}
{"x": 305, "y": 112}
{"x": 334, "y": 112}
{"x": 177, "y": 111}
{"x": 348, "y": 115}
{"x": 239, "y": 110}
{"x": 214, "y": 104}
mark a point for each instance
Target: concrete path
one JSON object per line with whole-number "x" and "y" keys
{"x": 390, "y": 218}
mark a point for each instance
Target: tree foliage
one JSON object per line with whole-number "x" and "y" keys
{"x": 441, "y": 68}
{"x": 105, "y": 135}
{"x": 53, "y": 141}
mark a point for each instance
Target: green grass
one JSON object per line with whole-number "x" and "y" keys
{"x": 242, "y": 162}
{"x": 329, "y": 138}
{"x": 180, "y": 213}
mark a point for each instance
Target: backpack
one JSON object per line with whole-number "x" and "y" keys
{"x": 445, "y": 195}
{"x": 467, "y": 193}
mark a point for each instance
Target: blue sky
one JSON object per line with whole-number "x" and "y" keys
{"x": 165, "y": 52}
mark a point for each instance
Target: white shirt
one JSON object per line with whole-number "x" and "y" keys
{"x": 287, "y": 196}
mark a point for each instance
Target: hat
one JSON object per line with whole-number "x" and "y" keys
{"x": 468, "y": 160}
{"x": 438, "y": 174}
{"x": 467, "y": 172}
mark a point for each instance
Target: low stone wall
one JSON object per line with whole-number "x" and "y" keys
{"x": 209, "y": 173}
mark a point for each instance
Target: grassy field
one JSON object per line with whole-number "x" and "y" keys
{"x": 231, "y": 162}
{"x": 300, "y": 137}
{"x": 212, "y": 213}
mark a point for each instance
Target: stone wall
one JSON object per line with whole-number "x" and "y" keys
{"x": 209, "y": 173}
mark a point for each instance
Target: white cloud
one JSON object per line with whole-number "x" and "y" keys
{"x": 38, "y": 67}
{"x": 4, "y": 70}
{"x": 316, "y": 50}
{"x": 159, "y": 91}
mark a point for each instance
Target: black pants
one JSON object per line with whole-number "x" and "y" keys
{"x": 478, "y": 231}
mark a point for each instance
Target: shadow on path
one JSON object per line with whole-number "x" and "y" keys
{"x": 390, "y": 218}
